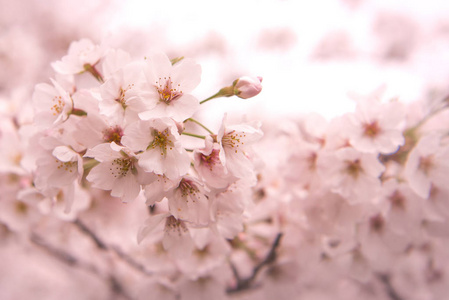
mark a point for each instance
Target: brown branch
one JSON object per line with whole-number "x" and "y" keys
{"x": 104, "y": 247}
{"x": 385, "y": 279}
{"x": 72, "y": 261}
{"x": 247, "y": 283}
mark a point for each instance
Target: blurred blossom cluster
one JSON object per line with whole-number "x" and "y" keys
{"x": 118, "y": 181}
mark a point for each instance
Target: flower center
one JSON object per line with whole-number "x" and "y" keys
{"x": 188, "y": 188}
{"x": 122, "y": 93}
{"x": 377, "y": 223}
{"x": 167, "y": 91}
{"x": 113, "y": 134}
{"x": 162, "y": 141}
{"x": 58, "y": 105}
{"x": 232, "y": 140}
{"x": 174, "y": 225}
{"x": 121, "y": 166}
{"x": 67, "y": 166}
{"x": 354, "y": 168}
{"x": 425, "y": 164}
{"x": 397, "y": 200}
{"x": 371, "y": 130}
{"x": 211, "y": 159}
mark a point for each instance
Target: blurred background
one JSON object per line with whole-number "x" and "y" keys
{"x": 314, "y": 56}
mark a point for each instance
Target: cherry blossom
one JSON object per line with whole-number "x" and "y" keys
{"x": 427, "y": 164}
{"x": 351, "y": 207}
{"x": 235, "y": 148}
{"x": 210, "y": 167}
{"x": 248, "y": 87}
{"x": 52, "y": 104}
{"x": 376, "y": 127}
{"x": 120, "y": 93}
{"x": 118, "y": 170}
{"x": 160, "y": 149}
{"x": 169, "y": 87}
{"x": 81, "y": 53}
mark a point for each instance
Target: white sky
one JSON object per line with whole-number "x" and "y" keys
{"x": 292, "y": 82}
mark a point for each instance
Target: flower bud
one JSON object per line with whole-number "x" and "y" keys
{"x": 246, "y": 87}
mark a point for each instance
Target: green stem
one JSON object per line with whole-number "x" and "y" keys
{"x": 89, "y": 164}
{"x": 194, "y": 135}
{"x": 224, "y": 92}
{"x": 177, "y": 59}
{"x": 92, "y": 70}
{"x": 78, "y": 112}
{"x": 197, "y": 122}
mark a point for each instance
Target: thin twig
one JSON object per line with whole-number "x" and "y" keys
{"x": 72, "y": 261}
{"x": 385, "y": 279}
{"x": 104, "y": 247}
{"x": 59, "y": 254}
{"x": 98, "y": 242}
{"x": 246, "y": 283}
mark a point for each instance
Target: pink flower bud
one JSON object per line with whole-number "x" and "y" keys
{"x": 247, "y": 87}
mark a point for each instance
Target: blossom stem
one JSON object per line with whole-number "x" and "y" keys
{"x": 78, "y": 112}
{"x": 176, "y": 59}
{"x": 194, "y": 135}
{"x": 199, "y": 123}
{"x": 224, "y": 92}
{"x": 90, "y": 164}
{"x": 92, "y": 70}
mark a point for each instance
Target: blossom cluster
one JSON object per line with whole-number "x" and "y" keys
{"x": 113, "y": 174}
{"x": 107, "y": 122}
{"x": 362, "y": 201}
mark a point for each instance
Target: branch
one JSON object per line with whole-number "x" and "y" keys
{"x": 385, "y": 279}
{"x": 246, "y": 283}
{"x": 72, "y": 261}
{"x": 104, "y": 247}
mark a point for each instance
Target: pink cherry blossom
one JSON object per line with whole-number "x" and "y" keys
{"x": 352, "y": 174}
{"x": 120, "y": 93}
{"x": 169, "y": 87}
{"x": 160, "y": 149}
{"x": 376, "y": 127}
{"x": 117, "y": 171}
{"x": 235, "y": 148}
{"x": 52, "y": 104}
{"x": 189, "y": 202}
{"x": 248, "y": 87}
{"x": 80, "y": 53}
{"x": 210, "y": 167}
{"x": 427, "y": 165}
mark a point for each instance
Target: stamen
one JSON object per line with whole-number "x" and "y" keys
{"x": 167, "y": 92}
{"x": 58, "y": 105}
{"x": 232, "y": 140}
